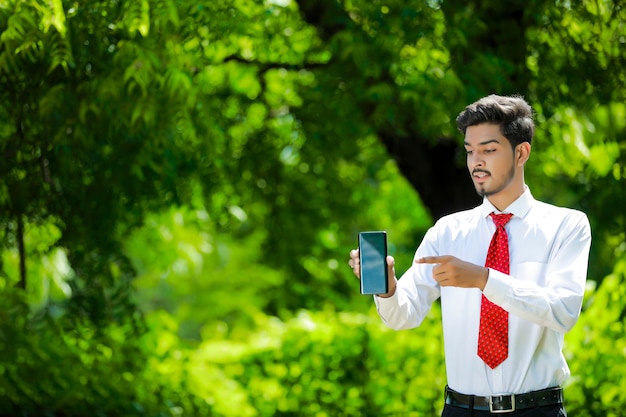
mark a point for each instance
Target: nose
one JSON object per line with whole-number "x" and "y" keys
{"x": 475, "y": 161}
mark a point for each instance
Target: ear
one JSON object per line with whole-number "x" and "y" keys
{"x": 522, "y": 153}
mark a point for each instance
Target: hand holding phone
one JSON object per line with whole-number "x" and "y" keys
{"x": 373, "y": 262}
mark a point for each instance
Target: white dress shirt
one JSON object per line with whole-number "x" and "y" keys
{"x": 549, "y": 250}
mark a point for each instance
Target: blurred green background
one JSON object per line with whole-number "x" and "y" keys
{"x": 181, "y": 183}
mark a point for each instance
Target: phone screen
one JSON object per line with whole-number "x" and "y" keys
{"x": 373, "y": 255}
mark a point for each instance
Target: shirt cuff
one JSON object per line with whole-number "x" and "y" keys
{"x": 497, "y": 287}
{"x": 383, "y": 300}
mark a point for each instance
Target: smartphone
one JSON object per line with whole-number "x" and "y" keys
{"x": 373, "y": 257}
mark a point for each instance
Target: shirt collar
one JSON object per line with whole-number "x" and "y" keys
{"x": 518, "y": 208}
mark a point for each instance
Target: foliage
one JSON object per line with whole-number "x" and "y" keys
{"x": 208, "y": 165}
{"x": 190, "y": 267}
{"x": 329, "y": 363}
{"x": 58, "y": 366}
{"x": 226, "y": 111}
{"x": 597, "y": 349}
{"x": 322, "y": 363}
{"x": 586, "y": 153}
{"x": 315, "y": 363}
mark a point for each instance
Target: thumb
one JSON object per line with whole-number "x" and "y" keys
{"x": 391, "y": 262}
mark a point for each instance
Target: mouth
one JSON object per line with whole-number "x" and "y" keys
{"x": 480, "y": 176}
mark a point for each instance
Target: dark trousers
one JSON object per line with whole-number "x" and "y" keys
{"x": 556, "y": 410}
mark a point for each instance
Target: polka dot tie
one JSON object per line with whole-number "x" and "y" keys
{"x": 493, "y": 334}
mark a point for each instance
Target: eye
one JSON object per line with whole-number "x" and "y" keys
{"x": 468, "y": 152}
{"x": 489, "y": 150}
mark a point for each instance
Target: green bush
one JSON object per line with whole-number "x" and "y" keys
{"x": 331, "y": 364}
{"x": 596, "y": 350}
{"x": 316, "y": 363}
{"x": 341, "y": 364}
{"x": 51, "y": 366}
{"x": 323, "y": 363}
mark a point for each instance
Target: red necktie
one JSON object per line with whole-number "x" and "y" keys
{"x": 493, "y": 335}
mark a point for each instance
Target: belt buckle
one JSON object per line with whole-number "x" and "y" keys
{"x": 511, "y": 398}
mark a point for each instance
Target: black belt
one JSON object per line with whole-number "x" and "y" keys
{"x": 505, "y": 403}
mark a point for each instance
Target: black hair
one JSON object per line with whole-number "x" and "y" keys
{"x": 512, "y": 113}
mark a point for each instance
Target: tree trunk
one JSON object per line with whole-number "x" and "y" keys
{"x": 435, "y": 168}
{"x": 22, "y": 252}
{"x": 435, "y": 172}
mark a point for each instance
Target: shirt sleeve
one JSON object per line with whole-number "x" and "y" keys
{"x": 553, "y": 298}
{"x": 415, "y": 293}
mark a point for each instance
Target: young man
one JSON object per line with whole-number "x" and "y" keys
{"x": 510, "y": 273}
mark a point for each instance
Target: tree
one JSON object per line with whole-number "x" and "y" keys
{"x": 271, "y": 126}
{"x": 420, "y": 63}
{"x": 151, "y": 98}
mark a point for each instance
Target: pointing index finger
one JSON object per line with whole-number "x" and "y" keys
{"x": 432, "y": 260}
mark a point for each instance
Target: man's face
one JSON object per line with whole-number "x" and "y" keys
{"x": 490, "y": 159}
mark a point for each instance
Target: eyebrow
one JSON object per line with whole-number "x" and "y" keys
{"x": 486, "y": 142}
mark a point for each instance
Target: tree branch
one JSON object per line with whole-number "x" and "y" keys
{"x": 265, "y": 66}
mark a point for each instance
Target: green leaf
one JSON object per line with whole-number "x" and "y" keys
{"x": 603, "y": 156}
